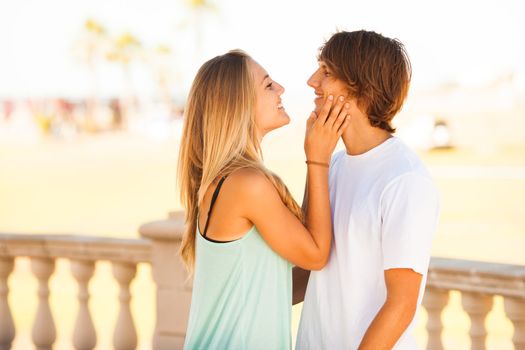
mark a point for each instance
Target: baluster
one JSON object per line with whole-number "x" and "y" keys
{"x": 44, "y": 331}
{"x": 515, "y": 310}
{"x": 84, "y": 334}
{"x": 171, "y": 280}
{"x": 477, "y": 306}
{"x": 434, "y": 302}
{"x": 7, "y": 326}
{"x": 125, "y": 336}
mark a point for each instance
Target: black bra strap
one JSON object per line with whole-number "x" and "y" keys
{"x": 213, "y": 199}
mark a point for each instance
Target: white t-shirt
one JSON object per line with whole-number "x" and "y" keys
{"x": 384, "y": 212}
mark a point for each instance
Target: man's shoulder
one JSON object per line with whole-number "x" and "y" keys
{"x": 336, "y": 158}
{"x": 403, "y": 161}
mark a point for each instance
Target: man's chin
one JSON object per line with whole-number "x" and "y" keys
{"x": 318, "y": 102}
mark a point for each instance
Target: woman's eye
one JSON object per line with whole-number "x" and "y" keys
{"x": 269, "y": 85}
{"x": 327, "y": 74}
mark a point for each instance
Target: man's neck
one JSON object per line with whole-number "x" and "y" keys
{"x": 361, "y": 139}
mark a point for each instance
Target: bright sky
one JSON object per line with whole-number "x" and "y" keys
{"x": 465, "y": 42}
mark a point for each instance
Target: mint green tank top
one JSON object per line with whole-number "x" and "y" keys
{"x": 242, "y": 296}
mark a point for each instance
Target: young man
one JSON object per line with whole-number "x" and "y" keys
{"x": 384, "y": 207}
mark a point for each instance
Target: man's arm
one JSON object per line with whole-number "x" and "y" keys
{"x": 300, "y": 281}
{"x": 409, "y": 207}
{"x": 397, "y": 312}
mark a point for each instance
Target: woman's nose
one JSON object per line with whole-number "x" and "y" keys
{"x": 280, "y": 89}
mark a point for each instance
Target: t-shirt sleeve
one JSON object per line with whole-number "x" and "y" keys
{"x": 409, "y": 214}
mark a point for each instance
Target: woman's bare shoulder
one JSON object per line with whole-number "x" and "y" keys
{"x": 250, "y": 182}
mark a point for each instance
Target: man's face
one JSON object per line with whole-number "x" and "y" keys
{"x": 324, "y": 84}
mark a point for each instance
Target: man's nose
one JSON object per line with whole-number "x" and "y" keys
{"x": 313, "y": 82}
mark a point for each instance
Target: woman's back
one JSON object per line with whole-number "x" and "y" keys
{"x": 241, "y": 294}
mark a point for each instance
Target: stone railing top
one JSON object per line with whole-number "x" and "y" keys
{"x": 170, "y": 229}
{"x": 477, "y": 277}
{"x": 75, "y": 247}
{"x": 449, "y": 274}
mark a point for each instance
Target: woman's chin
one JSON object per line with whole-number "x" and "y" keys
{"x": 285, "y": 120}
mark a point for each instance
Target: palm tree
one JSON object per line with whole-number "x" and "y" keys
{"x": 198, "y": 9}
{"x": 125, "y": 49}
{"x": 89, "y": 48}
{"x": 160, "y": 61}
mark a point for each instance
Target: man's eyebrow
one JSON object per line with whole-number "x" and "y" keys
{"x": 266, "y": 76}
{"x": 325, "y": 66}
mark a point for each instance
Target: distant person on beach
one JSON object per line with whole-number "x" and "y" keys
{"x": 9, "y": 108}
{"x": 384, "y": 207}
{"x": 244, "y": 231}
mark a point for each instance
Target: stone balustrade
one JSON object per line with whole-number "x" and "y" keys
{"x": 159, "y": 247}
{"x": 478, "y": 283}
{"x": 82, "y": 252}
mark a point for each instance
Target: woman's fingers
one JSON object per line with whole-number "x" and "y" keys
{"x": 311, "y": 120}
{"x": 336, "y": 109}
{"x": 341, "y": 117}
{"x": 325, "y": 110}
{"x": 325, "y": 127}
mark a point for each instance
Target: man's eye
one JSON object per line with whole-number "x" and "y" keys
{"x": 269, "y": 85}
{"x": 327, "y": 74}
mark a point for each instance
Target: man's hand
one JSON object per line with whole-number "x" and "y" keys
{"x": 300, "y": 281}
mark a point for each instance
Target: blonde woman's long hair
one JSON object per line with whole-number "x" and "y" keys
{"x": 219, "y": 137}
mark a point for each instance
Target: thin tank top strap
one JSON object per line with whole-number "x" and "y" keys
{"x": 213, "y": 199}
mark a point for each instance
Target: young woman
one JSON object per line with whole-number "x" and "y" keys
{"x": 244, "y": 230}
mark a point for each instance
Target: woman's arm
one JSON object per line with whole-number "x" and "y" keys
{"x": 307, "y": 247}
{"x": 300, "y": 276}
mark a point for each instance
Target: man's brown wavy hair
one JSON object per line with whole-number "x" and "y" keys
{"x": 376, "y": 70}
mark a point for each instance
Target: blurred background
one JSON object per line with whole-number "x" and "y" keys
{"x": 91, "y": 102}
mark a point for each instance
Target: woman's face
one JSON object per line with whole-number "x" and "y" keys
{"x": 269, "y": 111}
{"x": 324, "y": 84}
